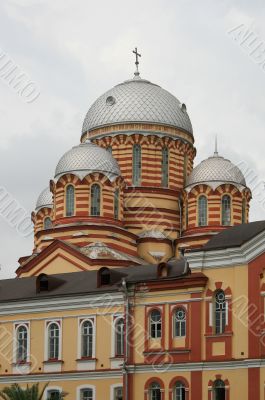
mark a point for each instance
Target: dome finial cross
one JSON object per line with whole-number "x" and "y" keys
{"x": 135, "y": 51}
{"x": 216, "y": 147}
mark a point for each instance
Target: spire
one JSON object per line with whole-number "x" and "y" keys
{"x": 216, "y": 148}
{"x": 137, "y": 73}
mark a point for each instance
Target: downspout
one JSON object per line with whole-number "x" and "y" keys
{"x": 127, "y": 347}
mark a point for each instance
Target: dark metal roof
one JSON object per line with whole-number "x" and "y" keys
{"x": 78, "y": 283}
{"x": 235, "y": 236}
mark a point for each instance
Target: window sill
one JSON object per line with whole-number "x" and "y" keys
{"x": 52, "y": 365}
{"x": 53, "y": 360}
{"x": 218, "y": 335}
{"x": 86, "y": 364}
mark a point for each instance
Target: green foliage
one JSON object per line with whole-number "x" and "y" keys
{"x": 15, "y": 392}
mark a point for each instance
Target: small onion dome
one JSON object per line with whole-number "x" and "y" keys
{"x": 214, "y": 171}
{"x": 44, "y": 200}
{"x": 87, "y": 158}
{"x": 137, "y": 101}
{"x": 153, "y": 234}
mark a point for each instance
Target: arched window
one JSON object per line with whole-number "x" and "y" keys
{"x": 179, "y": 391}
{"x": 53, "y": 394}
{"x": 244, "y": 211}
{"x": 86, "y": 394}
{"x": 109, "y": 149}
{"x": 116, "y": 203}
{"x": 22, "y": 343}
{"x": 155, "y": 324}
{"x": 47, "y": 223}
{"x": 219, "y": 312}
{"x": 226, "y": 210}
{"x": 155, "y": 391}
{"x": 53, "y": 341}
{"x": 185, "y": 168}
{"x": 202, "y": 211}
{"x": 218, "y": 390}
{"x": 119, "y": 337}
{"x": 187, "y": 214}
{"x": 137, "y": 164}
{"x": 180, "y": 322}
{"x": 118, "y": 393}
{"x": 70, "y": 200}
{"x": 95, "y": 199}
{"x": 165, "y": 157}
{"x": 87, "y": 339}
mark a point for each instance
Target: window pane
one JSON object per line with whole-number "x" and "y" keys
{"x": 47, "y": 223}
{"x": 116, "y": 203}
{"x": 155, "y": 392}
{"x": 203, "y": 209}
{"x": 179, "y": 391}
{"x": 53, "y": 345}
{"x": 86, "y": 394}
{"x": 155, "y": 324}
{"x": 95, "y": 200}
{"x": 165, "y": 167}
{"x": 119, "y": 337}
{"x": 220, "y": 312}
{"x": 22, "y": 344}
{"x": 87, "y": 339}
{"x": 180, "y": 322}
{"x": 118, "y": 393}
{"x": 226, "y": 210}
{"x": 70, "y": 201}
{"x": 137, "y": 164}
{"x": 244, "y": 211}
{"x": 53, "y": 395}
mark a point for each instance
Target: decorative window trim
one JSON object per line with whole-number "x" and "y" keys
{"x": 222, "y": 222}
{"x": 115, "y": 318}
{"x": 100, "y": 199}
{"x": 112, "y": 389}
{"x": 46, "y": 338}
{"x": 16, "y": 326}
{"x": 49, "y": 388}
{"x": 149, "y": 383}
{"x": 81, "y": 387}
{"x": 206, "y": 211}
{"x": 65, "y": 200}
{"x": 81, "y": 320}
{"x": 172, "y": 384}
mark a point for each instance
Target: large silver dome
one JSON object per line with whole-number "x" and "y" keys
{"x": 214, "y": 171}
{"x": 137, "y": 100}
{"x": 44, "y": 200}
{"x": 87, "y": 158}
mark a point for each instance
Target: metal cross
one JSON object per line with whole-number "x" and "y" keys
{"x": 136, "y": 60}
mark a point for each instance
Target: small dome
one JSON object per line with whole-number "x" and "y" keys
{"x": 87, "y": 158}
{"x": 214, "y": 171}
{"x": 137, "y": 100}
{"x": 44, "y": 199}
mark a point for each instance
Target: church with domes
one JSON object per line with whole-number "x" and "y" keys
{"x": 146, "y": 280}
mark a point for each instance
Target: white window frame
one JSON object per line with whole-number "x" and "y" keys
{"x": 184, "y": 307}
{"x": 49, "y": 388}
{"x": 81, "y": 320}
{"x": 112, "y": 389}
{"x": 79, "y": 388}
{"x": 46, "y": 337}
{"x": 115, "y": 318}
{"x": 16, "y": 325}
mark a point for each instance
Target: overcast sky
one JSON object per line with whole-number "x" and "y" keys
{"x": 74, "y": 50}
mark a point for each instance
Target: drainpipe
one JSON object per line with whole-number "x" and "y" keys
{"x": 127, "y": 347}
